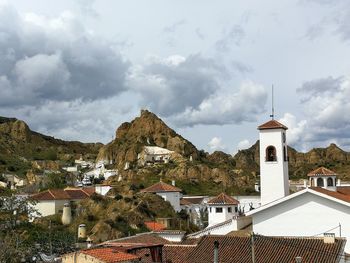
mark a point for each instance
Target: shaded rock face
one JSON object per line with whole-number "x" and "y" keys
{"x": 300, "y": 163}
{"x": 145, "y": 130}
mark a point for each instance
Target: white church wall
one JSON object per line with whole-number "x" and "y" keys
{"x": 303, "y": 215}
{"x": 273, "y": 174}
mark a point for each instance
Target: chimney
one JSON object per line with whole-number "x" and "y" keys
{"x": 329, "y": 238}
{"x": 338, "y": 182}
{"x": 82, "y": 231}
{"x": 67, "y": 214}
{"x": 216, "y": 251}
{"x": 173, "y": 182}
{"x": 298, "y": 260}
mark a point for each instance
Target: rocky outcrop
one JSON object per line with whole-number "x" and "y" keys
{"x": 146, "y": 130}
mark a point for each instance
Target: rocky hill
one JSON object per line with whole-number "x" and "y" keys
{"x": 195, "y": 171}
{"x": 300, "y": 163}
{"x": 19, "y": 146}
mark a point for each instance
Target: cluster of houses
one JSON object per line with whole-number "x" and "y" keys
{"x": 309, "y": 225}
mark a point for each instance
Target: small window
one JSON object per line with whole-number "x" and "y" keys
{"x": 218, "y": 210}
{"x": 229, "y": 209}
{"x": 329, "y": 182}
{"x": 320, "y": 182}
{"x": 210, "y": 209}
{"x": 271, "y": 154}
{"x": 285, "y": 156}
{"x": 236, "y": 209}
{"x": 284, "y": 137}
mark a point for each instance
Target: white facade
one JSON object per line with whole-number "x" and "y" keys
{"x": 173, "y": 198}
{"x": 274, "y": 171}
{"x": 102, "y": 189}
{"x": 305, "y": 213}
{"x": 172, "y": 236}
{"x": 220, "y": 213}
{"x": 49, "y": 207}
{"x": 246, "y": 202}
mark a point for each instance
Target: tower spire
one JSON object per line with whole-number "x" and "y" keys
{"x": 272, "y": 105}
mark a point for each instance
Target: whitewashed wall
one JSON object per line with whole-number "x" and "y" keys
{"x": 173, "y": 198}
{"x": 304, "y": 215}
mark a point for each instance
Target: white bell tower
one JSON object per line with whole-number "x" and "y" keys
{"x": 273, "y": 161}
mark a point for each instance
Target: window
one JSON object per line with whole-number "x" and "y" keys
{"x": 236, "y": 209}
{"x": 229, "y": 209}
{"x": 320, "y": 182}
{"x": 271, "y": 154}
{"x": 284, "y": 137}
{"x": 285, "y": 156}
{"x": 218, "y": 210}
{"x": 210, "y": 209}
{"x": 329, "y": 182}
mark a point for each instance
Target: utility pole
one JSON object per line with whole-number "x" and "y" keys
{"x": 252, "y": 237}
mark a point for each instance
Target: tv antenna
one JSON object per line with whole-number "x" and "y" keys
{"x": 272, "y": 105}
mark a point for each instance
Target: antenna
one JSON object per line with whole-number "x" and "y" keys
{"x": 272, "y": 104}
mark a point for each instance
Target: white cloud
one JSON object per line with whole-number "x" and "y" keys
{"x": 216, "y": 144}
{"x": 244, "y": 144}
{"x": 296, "y": 132}
{"x": 225, "y": 107}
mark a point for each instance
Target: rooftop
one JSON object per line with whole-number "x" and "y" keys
{"x": 272, "y": 124}
{"x": 63, "y": 194}
{"x": 321, "y": 171}
{"x": 223, "y": 199}
{"x": 109, "y": 255}
{"x": 154, "y": 226}
{"x": 161, "y": 187}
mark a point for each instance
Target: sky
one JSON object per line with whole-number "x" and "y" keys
{"x": 76, "y": 70}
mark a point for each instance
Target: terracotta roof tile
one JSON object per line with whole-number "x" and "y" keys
{"x": 60, "y": 194}
{"x": 110, "y": 255}
{"x": 149, "y": 238}
{"x": 223, "y": 199}
{"x": 272, "y": 124}
{"x": 184, "y": 201}
{"x": 193, "y": 200}
{"x": 342, "y": 193}
{"x": 267, "y": 249}
{"x": 161, "y": 187}
{"x": 154, "y": 226}
{"x": 177, "y": 253}
{"x": 321, "y": 171}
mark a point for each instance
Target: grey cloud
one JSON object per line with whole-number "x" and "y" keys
{"x": 199, "y": 33}
{"x": 317, "y": 87}
{"x": 87, "y": 8}
{"x": 234, "y": 37}
{"x": 172, "y": 28}
{"x": 55, "y": 59}
{"x": 326, "y": 110}
{"x": 241, "y": 67}
{"x": 170, "y": 86}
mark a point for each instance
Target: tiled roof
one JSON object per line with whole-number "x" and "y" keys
{"x": 109, "y": 255}
{"x": 177, "y": 253}
{"x": 193, "y": 200}
{"x": 60, "y": 194}
{"x": 267, "y": 249}
{"x": 149, "y": 238}
{"x": 154, "y": 226}
{"x": 161, "y": 187}
{"x": 184, "y": 201}
{"x": 342, "y": 192}
{"x": 272, "y": 124}
{"x": 223, "y": 199}
{"x": 321, "y": 171}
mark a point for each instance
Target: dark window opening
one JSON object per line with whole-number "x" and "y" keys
{"x": 229, "y": 209}
{"x": 329, "y": 182}
{"x": 218, "y": 210}
{"x": 285, "y": 156}
{"x": 320, "y": 182}
{"x": 271, "y": 154}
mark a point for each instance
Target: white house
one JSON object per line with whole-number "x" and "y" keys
{"x": 196, "y": 207}
{"x": 221, "y": 208}
{"x": 154, "y": 154}
{"x": 309, "y": 212}
{"x": 51, "y": 202}
{"x": 167, "y": 192}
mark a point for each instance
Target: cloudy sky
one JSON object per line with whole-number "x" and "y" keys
{"x": 77, "y": 69}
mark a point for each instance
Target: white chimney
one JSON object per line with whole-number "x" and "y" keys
{"x": 173, "y": 182}
{"x": 216, "y": 251}
{"x": 329, "y": 238}
{"x": 338, "y": 182}
{"x": 298, "y": 259}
